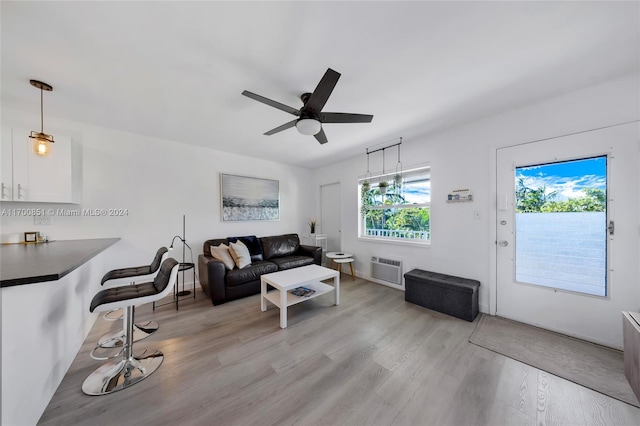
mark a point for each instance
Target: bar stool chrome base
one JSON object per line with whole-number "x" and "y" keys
{"x": 141, "y": 330}
{"x": 114, "y": 315}
{"x": 100, "y": 353}
{"x": 117, "y": 375}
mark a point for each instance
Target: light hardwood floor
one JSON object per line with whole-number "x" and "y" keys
{"x": 375, "y": 359}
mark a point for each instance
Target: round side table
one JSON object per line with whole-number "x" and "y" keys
{"x": 348, "y": 260}
{"x": 337, "y": 255}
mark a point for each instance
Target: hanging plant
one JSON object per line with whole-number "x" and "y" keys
{"x": 397, "y": 179}
{"x": 383, "y": 187}
{"x": 366, "y": 186}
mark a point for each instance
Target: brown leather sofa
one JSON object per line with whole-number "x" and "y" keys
{"x": 268, "y": 254}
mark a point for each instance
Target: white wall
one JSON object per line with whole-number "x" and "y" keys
{"x": 157, "y": 181}
{"x": 464, "y": 157}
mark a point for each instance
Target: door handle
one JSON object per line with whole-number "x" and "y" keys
{"x": 19, "y": 191}
{"x": 503, "y": 243}
{"x": 611, "y": 227}
{"x": 3, "y": 195}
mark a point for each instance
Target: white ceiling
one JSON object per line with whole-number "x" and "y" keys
{"x": 175, "y": 70}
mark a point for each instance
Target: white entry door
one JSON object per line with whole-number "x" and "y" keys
{"x": 567, "y": 233}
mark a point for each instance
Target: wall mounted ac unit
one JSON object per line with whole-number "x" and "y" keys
{"x": 385, "y": 269}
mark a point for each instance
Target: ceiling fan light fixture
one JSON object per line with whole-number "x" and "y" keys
{"x": 308, "y": 126}
{"x": 310, "y": 118}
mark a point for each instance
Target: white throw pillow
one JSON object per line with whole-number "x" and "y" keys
{"x": 222, "y": 253}
{"x": 240, "y": 254}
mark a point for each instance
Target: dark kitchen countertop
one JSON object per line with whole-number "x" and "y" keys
{"x": 22, "y": 264}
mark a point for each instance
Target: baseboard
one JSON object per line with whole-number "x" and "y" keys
{"x": 377, "y": 281}
{"x": 482, "y": 307}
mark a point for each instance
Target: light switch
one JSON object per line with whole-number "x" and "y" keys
{"x": 503, "y": 202}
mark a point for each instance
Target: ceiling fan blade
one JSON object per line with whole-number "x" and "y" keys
{"x": 344, "y": 117}
{"x": 320, "y": 96}
{"x": 321, "y": 137}
{"x": 281, "y": 128}
{"x": 270, "y": 102}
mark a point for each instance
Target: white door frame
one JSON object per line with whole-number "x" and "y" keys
{"x": 320, "y": 206}
{"x": 493, "y": 211}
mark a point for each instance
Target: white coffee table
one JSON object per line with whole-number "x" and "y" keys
{"x": 307, "y": 276}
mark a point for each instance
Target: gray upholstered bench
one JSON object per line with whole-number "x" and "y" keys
{"x": 450, "y": 295}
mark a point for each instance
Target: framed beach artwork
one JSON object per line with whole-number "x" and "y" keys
{"x": 248, "y": 198}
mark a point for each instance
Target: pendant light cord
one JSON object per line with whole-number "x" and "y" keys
{"x": 41, "y": 111}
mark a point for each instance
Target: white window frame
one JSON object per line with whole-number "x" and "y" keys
{"x": 373, "y": 179}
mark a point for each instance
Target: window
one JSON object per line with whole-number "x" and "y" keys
{"x": 561, "y": 225}
{"x": 396, "y": 207}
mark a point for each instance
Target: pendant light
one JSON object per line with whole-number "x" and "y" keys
{"x": 40, "y": 139}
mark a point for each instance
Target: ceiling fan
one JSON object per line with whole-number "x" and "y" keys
{"x": 310, "y": 116}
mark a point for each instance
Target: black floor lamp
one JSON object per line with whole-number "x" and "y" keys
{"x": 184, "y": 266}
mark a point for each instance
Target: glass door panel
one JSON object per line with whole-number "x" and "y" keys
{"x": 560, "y": 224}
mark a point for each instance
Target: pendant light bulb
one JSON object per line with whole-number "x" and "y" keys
{"x": 41, "y": 147}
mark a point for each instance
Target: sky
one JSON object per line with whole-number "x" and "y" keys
{"x": 416, "y": 187}
{"x": 417, "y": 193}
{"x": 567, "y": 177}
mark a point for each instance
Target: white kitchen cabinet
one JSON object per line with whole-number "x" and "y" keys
{"x": 6, "y": 168}
{"x": 27, "y": 176}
